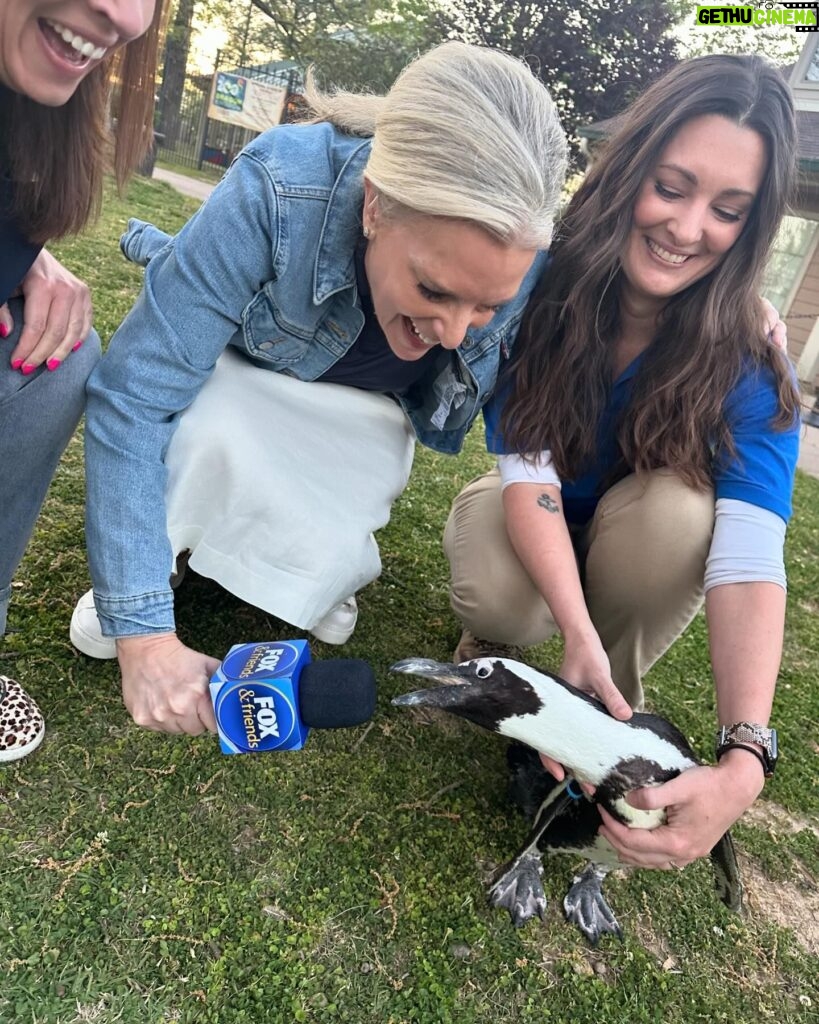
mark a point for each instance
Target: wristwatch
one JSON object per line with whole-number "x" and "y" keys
{"x": 740, "y": 734}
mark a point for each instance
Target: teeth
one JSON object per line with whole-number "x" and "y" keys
{"x": 426, "y": 341}
{"x": 664, "y": 254}
{"x": 84, "y": 47}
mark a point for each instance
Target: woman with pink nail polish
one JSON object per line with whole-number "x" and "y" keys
{"x": 57, "y": 64}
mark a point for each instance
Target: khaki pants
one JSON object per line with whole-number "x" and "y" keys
{"x": 641, "y": 558}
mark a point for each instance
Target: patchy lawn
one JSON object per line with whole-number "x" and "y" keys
{"x": 148, "y": 878}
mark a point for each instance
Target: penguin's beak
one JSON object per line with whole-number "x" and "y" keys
{"x": 459, "y": 679}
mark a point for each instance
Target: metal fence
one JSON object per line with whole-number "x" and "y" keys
{"x": 198, "y": 141}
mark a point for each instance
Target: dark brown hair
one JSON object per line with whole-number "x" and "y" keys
{"x": 56, "y": 156}
{"x": 562, "y": 363}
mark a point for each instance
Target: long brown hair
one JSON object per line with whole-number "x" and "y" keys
{"x": 57, "y": 156}
{"x": 562, "y": 364}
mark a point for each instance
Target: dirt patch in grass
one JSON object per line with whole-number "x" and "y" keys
{"x": 791, "y": 904}
{"x": 654, "y": 942}
{"x": 787, "y": 904}
{"x": 776, "y": 819}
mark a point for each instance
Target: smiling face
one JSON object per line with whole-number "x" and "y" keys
{"x": 47, "y": 47}
{"x": 692, "y": 207}
{"x": 432, "y": 278}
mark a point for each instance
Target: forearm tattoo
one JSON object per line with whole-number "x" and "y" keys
{"x": 549, "y": 503}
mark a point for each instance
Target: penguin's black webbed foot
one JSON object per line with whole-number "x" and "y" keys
{"x": 586, "y": 906}
{"x": 519, "y": 889}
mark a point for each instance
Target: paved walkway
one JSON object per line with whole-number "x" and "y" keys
{"x": 808, "y": 449}
{"x": 182, "y": 183}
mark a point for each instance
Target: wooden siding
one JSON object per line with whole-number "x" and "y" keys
{"x": 804, "y": 309}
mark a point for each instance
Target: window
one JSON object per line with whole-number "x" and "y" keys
{"x": 793, "y": 244}
{"x": 812, "y": 72}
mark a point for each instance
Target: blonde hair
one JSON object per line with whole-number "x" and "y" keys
{"x": 465, "y": 132}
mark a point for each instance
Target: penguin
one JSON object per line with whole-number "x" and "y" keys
{"x": 543, "y": 712}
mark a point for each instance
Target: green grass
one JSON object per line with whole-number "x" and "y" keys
{"x": 147, "y": 878}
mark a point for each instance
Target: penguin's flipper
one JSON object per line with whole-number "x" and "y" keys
{"x": 519, "y": 889}
{"x": 586, "y": 906}
{"x": 726, "y": 873}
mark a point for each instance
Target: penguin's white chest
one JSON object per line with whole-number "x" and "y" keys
{"x": 636, "y": 818}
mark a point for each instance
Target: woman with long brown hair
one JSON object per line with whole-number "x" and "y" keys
{"x": 58, "y": 61}
{"x": 648, "y": 434}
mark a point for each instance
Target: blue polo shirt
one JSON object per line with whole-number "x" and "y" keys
{"x": 761, "y": 472}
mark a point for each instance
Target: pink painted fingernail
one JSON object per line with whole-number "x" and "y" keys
{"x": 27, "y": 369}
{"x": 76, "y": 346}
{"x": 52, "y": 364}
{"x": 4, "y": 331}
{"x": 16, "y": 364}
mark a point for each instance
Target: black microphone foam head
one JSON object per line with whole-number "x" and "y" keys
{"x": 336, "y": 693}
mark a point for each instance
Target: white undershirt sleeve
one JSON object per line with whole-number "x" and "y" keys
{"x": 514, "y": 469}
{"x": 747, "y": 546}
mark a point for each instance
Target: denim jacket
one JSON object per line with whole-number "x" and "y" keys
{"x": 267, "y": 266}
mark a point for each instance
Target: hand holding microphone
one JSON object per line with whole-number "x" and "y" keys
{"x": 267, "y": 696}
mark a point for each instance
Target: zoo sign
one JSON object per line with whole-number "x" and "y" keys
{"x": 245, "y": 101}
{"x": 229, "y": 91}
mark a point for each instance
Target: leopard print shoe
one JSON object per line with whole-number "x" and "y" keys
{"x": 21, "y": 722}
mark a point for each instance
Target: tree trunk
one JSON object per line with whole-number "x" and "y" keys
{"x": 173, "y": 75}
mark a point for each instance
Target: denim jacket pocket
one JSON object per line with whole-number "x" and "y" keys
{"x": 269, "y": 339}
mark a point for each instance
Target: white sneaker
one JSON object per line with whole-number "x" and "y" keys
{"x": 338, "y": 624}
{"x": 86, "y": 631}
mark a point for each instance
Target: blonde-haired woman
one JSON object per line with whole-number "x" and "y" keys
{"x": 56, "y": 68}
{"x": 377, "y": 261}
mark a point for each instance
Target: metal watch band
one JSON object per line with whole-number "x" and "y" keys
{"x": 742, "y": 733}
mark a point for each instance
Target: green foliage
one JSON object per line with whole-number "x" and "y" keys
{"x": 147, "y": 878}
{"x": 354, "y": 44}
{"x": 369, "y": 60}
{"x": 595, "y": 57}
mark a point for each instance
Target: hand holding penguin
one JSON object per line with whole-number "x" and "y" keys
{"x": 544, "y": 712}
{"x": 586, "y": 666}
{"x": 695, "y": 820}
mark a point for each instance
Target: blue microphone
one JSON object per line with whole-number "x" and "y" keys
{"x": 267, "y": 696}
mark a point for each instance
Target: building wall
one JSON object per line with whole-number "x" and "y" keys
{"x": 804, "y": 312}
{"x": 804, "y": 309}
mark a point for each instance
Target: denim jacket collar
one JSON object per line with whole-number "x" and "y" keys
{"x": 342, "y": 228}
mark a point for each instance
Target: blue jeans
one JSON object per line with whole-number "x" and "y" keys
{"x": 38, "y": 414}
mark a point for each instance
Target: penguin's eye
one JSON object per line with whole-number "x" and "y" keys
{"x": 483, "y": 670}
